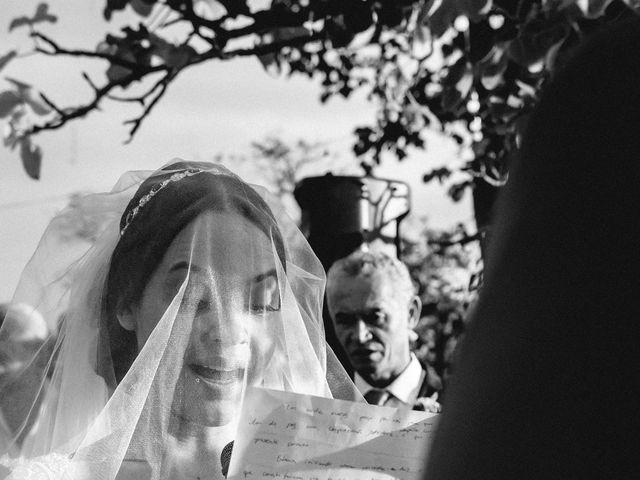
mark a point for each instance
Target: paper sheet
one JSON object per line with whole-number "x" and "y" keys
{"x": 287, "y": 436}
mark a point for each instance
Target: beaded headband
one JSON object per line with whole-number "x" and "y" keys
{"x": 154, "y": 191}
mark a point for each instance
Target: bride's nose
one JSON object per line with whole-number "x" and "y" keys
{"x": 221, "y": 326}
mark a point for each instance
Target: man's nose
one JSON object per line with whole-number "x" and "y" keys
{"x": 362, "y": 332}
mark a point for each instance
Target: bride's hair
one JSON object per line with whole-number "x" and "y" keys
{"x": 148, "y": 232}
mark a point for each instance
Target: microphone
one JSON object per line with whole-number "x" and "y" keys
{"x": 225, "y": 458}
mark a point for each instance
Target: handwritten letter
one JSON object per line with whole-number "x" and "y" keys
{"x": 287, "y": 436}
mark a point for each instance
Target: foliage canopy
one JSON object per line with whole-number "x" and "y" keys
{"x": 471, "y": 68}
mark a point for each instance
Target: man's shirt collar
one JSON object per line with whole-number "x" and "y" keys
{"x": 405, "y": 388}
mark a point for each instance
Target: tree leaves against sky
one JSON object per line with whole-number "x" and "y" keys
{"x": 473, "y": 69}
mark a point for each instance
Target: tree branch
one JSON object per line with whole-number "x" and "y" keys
{"x": 268, "y": 20}
{"x": 46, "y": 100}
{"x": 139, "y": 99}
{"x": 162, "y": 85}
{"x": 273, "y": 46}
{"x": 139, "y": 72}
{"x": 263, "y": 20}
{"x": 68, "y": 114}
{"x": 114, "y": 59}
{"x": 86, "y": 76}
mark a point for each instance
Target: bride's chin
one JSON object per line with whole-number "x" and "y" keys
{"x": 212, "y": 414}
{"x": 207, "y": 402}
{"x": 209, "y": 414}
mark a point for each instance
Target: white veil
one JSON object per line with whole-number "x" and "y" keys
{"x": 195, "y": 285}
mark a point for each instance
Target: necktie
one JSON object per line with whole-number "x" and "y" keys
{"x": 376, "y": 396}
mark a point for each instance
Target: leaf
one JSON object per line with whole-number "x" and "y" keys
{"x": 593, "y": 8}
{"x": 172, "y": 55}
{"x": 421, "y": 44}
{"x": 270, "y": 61}
{"x": 445, "y": 15}
{"x": 142, "y": 7}
{"x": 31, "y": 156}
{"x": 19, "y": 21}
{"x": 113, "y": 5}
{"x": 13, "y": 128}
{"x": 442, "y": 18}
{"x": 532, "y": 47}
{"x": 464, "y": 84}
{"x": 161, "y": 47}
{"x": 270, "y": 64}
{"x": 31, "y": 97}
{"x": 18, "y": 83}
{"x": 492, "y": 67}
{"x": 456, "y": 191}
{"x": 42, "y": 15}
{"x": 288, "y": 33}
{"x": 525, "y": 90}
{"x": 180, "y": 56}
{"x": 457, "y": 84}
{"x": 441, "y": 174}
{"x": 8, "y": 101}
{"x": 38, "y": 106}
{"x": 552, "y": 55}
{"x": 633, "y": 4}
{"x": 116, "y": 72}
{"x": 7, "y": 58}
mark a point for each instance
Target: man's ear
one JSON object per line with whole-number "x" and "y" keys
{"x": 126, "y": 317}
{"x": 415, "y": 308}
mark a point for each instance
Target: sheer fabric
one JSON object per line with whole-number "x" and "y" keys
{"x": 192, "y": 285}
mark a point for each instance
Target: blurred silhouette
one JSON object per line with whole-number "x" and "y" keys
{"x": 23, "y": 334}
{"x": 546, "y": 374}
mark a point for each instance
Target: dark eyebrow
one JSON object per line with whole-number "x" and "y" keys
{"x": 183, "y": 265}
{"x": 269, "y": 273}
{"x": 345, "y": 317}
{"x": 346, "y": 314}
{"x": 362, "y": 314}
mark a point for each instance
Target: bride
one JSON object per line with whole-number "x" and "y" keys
{"x": 194, "y": 288}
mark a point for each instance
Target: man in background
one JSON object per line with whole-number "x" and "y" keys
{"x": 374, "y": 308}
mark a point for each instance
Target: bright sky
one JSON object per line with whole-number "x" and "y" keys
{"x": 215, "y": 108}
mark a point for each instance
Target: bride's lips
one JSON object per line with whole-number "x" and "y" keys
{"x": 217, "y": 376}
{"x": 221, "y": 370}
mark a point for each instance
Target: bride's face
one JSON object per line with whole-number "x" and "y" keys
{"x": 227, "y": 268}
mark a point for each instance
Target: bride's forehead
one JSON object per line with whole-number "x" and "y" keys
{"x": 221, "y": 235}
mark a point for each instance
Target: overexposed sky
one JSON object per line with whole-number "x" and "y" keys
{"x": 214, "y": 108}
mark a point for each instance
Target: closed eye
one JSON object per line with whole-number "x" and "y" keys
{"x": 264, "y": 308}
{"x": 264, "y": 295}
{"x": 375, "y": 318}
